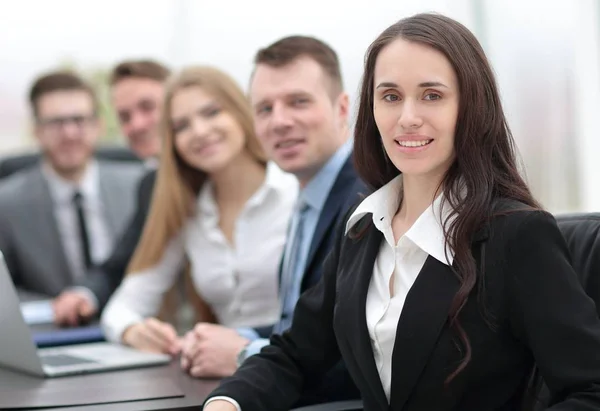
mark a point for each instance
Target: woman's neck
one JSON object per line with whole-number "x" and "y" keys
{"x": 418, "y": 193}
{"x": 237, "y": 182}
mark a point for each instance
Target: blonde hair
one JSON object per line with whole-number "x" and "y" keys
{"x": 178, "y": 184}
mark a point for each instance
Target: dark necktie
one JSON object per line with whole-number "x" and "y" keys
{"x": 83, "y": 229}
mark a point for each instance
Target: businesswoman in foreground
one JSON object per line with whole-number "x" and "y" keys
{"x": 218, "y": 204}
{"x": 448, "y": 283}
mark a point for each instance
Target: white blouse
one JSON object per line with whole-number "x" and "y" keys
{"x": 403, "y": 261}
{"x": 239, "y": 283}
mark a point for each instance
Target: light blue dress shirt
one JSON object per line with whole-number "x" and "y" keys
{"x": 314, "y": 195}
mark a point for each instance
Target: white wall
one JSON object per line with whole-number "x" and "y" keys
{"x": 586, "y": 81}
{"x": 545, "y": 54}
{"x": 36, "y": 35}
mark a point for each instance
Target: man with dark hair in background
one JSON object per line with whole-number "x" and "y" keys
{"x": 60, "y": 218}
{"x": 137, "y": 91}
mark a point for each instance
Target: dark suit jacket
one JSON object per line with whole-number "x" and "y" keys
{"x": 538, "y": 308}
{"x": 105, "y": 279}
{"x": 347, "y": 190}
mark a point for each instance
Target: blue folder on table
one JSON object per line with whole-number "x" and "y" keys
{"x": 39, "y": 315}
{"x": 67, "y": 336}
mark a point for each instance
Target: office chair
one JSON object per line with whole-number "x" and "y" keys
{"x": 582, "y": 233}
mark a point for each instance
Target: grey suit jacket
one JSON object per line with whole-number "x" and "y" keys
{"x": 29, "y": 236}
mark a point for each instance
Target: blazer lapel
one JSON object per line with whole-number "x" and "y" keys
{"x": 39, "y": 212}
{"x": 335, "y": 200}
{"x": 423, "y": 317}
{"x": 110, "y": 196}
{"x": 353, "y": 286}
{"x": 326, "y": 218}
{"x": 422, "y": 320}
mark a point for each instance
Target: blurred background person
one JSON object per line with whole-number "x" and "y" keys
{"x": 137, "y": 90}
{"x": 218, "y": 204}
{"x": 62, "y": 216}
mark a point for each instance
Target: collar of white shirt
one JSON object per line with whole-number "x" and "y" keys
{"x": 151, "y": 163}
{"x": 427, "y": 232}
{"x": 62, "y": 190}
{"x": 276, "y": 181}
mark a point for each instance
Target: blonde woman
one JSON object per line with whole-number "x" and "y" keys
{"x": 216, "y": 202}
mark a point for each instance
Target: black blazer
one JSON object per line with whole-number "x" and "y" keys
{"x": 346, "y": 191}
{"x": 534, "y": 301}
{"x": 104, "y": 279}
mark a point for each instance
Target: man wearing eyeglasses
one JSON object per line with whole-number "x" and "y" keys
{"x": 62, "y": 216}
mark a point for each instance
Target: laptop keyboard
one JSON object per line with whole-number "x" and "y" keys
{"x": 57, "y": 360}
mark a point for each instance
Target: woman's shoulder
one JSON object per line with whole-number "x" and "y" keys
{"x": 513, "y": 220}
{"x": 515, "y": 212}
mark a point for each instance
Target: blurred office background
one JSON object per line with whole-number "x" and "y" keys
{"x": 546, "y": 54}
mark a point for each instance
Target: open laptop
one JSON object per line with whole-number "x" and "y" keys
{"x": 18, "y": 351}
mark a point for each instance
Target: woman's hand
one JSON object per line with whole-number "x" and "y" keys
{"x": 154, "y": 336}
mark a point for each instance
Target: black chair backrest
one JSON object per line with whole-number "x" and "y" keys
{"x": 582, "y": 233}
{"x": 12, "y": 164}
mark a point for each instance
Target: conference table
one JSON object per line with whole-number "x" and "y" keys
{"x": 85, "y": 391}
{"x": 164, "y": 387}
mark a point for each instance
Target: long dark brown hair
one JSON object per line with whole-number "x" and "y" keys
{"x": 485, "y": 166}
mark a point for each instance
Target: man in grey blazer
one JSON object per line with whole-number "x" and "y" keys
{"x": 63, "y": 216}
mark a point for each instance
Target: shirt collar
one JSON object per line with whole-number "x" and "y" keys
{"x": 276, "y": 181}
{"x": 317, "y": 190}
{"x": 62, "y": 190}
{"x": 151, "y": 163}
{"x": 427, "y": 232}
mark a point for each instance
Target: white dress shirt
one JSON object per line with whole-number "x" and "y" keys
{"x": 100, "y": 237}
{"x": 239, "y": 283}
{"x": 401, "y": 261}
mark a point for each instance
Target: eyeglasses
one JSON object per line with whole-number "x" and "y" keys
{"x": 57, "y": 123}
